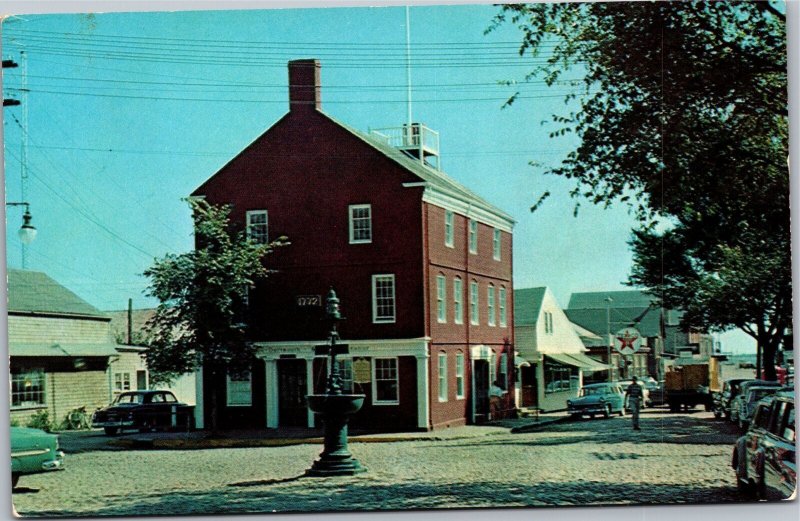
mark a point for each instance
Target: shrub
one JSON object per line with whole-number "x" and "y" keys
{"x": 41, "y": 420}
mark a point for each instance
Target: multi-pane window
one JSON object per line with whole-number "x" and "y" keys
{"x": 502, "y": 299}
{"x": 548, "y": 323}
{"x": 441, "y": 304}
{"x": 27, "y": 388}
{"x": 473, "y": 303}
{"x": 458, "y": 295}
{"x": 449, "y": 221}
{"x": 496, "y": 244}
{"x": 502, "y": 370}
{"x": 240, "y": 389}
{"x": 257, "y": 226}
{"x": 473, "y": 236}
{"x": 459, "y": 375}
{"x": 346, "y": 374}
{"x": 385, "y": 382}
{"x": 490, "y": 304}
{"x": 442, "y": 377}
{"x": 122, "y": 381}
{"x": 360, "y": 223}
{"x": 383, "y": 299}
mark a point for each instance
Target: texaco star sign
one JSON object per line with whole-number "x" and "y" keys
{"x": 628, "y": 341}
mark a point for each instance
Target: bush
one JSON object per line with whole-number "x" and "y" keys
{"x": 41, "y": 420}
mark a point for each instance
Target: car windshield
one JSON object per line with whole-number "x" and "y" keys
{"x": 129, "y": 398}
{"x": 757, "y": 394}
{"x": 589, "y": 391}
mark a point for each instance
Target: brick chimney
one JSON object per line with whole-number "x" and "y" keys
{"x": 304, "y": 85}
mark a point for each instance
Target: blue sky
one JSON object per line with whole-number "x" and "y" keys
{"x": 129, "y": 112}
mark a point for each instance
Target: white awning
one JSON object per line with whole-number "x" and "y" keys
{"x": 62, "y": 349}
{"x": 578, "y": 360}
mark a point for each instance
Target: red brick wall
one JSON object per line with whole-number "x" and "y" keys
{"x": 305, "y": 171}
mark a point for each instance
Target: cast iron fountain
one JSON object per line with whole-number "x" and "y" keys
{"x": 334, "y": 407}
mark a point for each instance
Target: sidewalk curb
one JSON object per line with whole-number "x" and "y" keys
{"x": 533, "y": 427}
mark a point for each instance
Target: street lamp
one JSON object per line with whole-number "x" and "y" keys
{"x": 609, "y": 300}
{"x": 334, "y": 406}
{"x": 27, "y": 232}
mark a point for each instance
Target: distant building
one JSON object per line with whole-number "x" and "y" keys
{"x": 551, "y": 357}
{"x": 421, "y": 264}
{"x": 60, "y": 349}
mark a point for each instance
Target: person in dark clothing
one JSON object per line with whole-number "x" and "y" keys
{"x": 634, "y": 395}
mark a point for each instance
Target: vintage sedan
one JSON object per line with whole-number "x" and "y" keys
{"x": 33, "y": 451}
{"x": 602, "y": 398}
{"x": 144, "y": 411}
{"x": 736, "y": 403}
{"x": 747, "y": 404}
{"x": 723, "y": 399}
{"x": 764, "y": 459}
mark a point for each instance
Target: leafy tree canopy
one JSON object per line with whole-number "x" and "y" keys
{"x": 683, "y": 116}
{"x": 202, "y": 295}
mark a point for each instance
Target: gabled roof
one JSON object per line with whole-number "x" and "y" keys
{"x": 35, "y": 292}
{"x": 528, "y": 305}
{"x": 646, "y": 320}
{"x": 619, "y": 299}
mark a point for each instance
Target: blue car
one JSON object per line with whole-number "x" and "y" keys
{"x": 602, "y": 398}
{"x": 33, "y": 451}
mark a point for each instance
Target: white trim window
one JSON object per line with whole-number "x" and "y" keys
{"x": 239, "y": 389}
{"x": 346, "y": 374}
{"x": 442, "y": 377}
{"x": 27, "y": 388}
{"x": 360, "y": 223}
{"x": 383, "y": 299}
{"x": 473, "y": 236}
{"x": 474, "y": 317}
{"x": 548, "y": 323}
{"x": 496, "y": 242}
{"x": 502, "y": 370}
{"x": 122, "y": 382}
{"x": 441, "y": 303}
{"x": 449, "y": 222}
{"x": 458, "y": 296}
{"x": 460, "y": 376}
{"x": 490, "y": 304}
{"x": 258, "y": 226}
{"x": 386, "y": 381}
{"x": 503, "y": 314}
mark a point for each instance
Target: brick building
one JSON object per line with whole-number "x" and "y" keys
{"x": 60, "y": 348}
{"x": 421, "y": 264}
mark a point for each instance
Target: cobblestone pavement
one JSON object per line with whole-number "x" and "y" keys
{"x": 680, "y": 458}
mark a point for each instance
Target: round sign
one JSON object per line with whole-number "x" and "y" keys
{"x": 627, "y": 341}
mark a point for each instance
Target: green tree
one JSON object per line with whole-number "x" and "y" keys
{"x": 683, "y": 116}
{"x": 202, "y": 298}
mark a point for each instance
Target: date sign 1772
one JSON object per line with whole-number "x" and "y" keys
{"x": 307, "y": 301}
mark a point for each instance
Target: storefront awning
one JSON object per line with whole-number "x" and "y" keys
{"x": 59, "y": 349}
{"x": 578, "y": 360}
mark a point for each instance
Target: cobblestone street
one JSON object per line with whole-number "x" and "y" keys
{"x": 675, "y": 459}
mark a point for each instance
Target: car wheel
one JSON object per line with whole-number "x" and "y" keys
{"x": 607, "y": 411}
{"x": 110, "y": 431}
{"x": 14, "y": 479}
{"x": 575, "y": 416}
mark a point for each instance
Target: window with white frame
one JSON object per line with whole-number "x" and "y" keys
{"x": 27, "y": 387}
{"x": 441, "y": 303}
{"x": 239, "y": 389}
{"x": 360, "y": 223}
{"x": 122, "y": 382}
{"x": 502, "y": 299}
{"x": 502, "y": 370}
{"x": 490, "y": 304}
{"x": 385, "y": 384}
{"x": 346, "y": 374}
{"x": 496, "y": 244}
{"x": 257, "y": 226}
{"x": 548, "y": 323}
{"x": 383, "y": 299}
{"x": 473, "y": 236}
{"x": 442, "y": 377}
{"x": 458, "y": 296}
{"x": 492, "y": 367}
{"x": 460, "y": 376}
{"x": 449, "y": 221}
{"x": 473, "y": 303}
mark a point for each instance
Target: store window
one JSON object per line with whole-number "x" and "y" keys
{"x": 385, "y": 384}
{"x": 27, "y": 388}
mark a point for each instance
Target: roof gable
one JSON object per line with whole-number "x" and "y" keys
{"x": 619, "y": 299}
{"x": 528, "y": 305}
{"x": 35, "y": 292}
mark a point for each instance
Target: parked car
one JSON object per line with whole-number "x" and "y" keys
{"x": 736, "y": 404}
{"x": 602, "y": 398}
{"x": 645, "y": 393}
{"x": 764, "y": 459}
{"x": 144, "y": 410}
{"x": 655, "y": 392}
{"x": 748, "y": 402}
{"x": 722, "y": 399}
{"x": 33, "y": 451}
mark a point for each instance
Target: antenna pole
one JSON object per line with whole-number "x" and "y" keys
{"x": 408, "y": 64}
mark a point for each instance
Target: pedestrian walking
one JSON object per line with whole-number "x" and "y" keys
{"x": 634, "y": 395}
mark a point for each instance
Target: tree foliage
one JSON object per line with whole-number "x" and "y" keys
{"x": 202, "y": 296}
{"x": 683, "y": 116}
